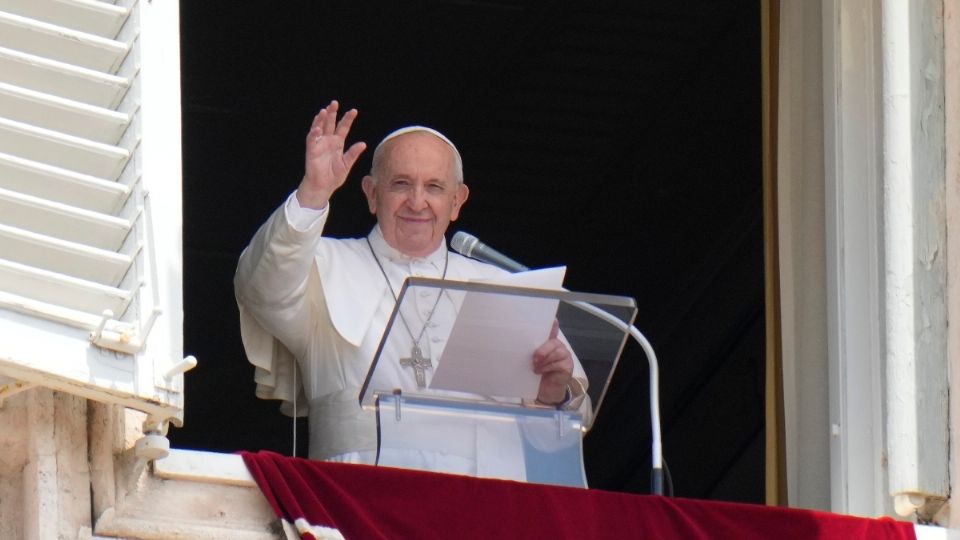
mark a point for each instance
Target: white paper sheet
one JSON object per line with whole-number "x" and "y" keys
{"x": 491, "y": 345}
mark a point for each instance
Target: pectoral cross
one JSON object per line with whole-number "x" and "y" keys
{"x": 419, "y": 363}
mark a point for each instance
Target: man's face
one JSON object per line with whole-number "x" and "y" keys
{"x": 415, "y": 195}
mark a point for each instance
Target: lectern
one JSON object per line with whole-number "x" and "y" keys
{"x": 452, "y": 378}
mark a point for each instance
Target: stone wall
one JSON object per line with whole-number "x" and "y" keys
{"x": 68, "y": 469}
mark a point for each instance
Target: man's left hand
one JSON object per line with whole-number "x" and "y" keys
{"x": 554, "y": 363}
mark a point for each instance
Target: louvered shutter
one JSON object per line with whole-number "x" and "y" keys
{"x": 90, "y": 271}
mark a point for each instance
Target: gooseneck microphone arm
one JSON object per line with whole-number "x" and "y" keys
{"x": 470, "y": 246}
{"x": 657, "y": 450}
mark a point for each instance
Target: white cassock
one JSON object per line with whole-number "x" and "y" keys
{"x": 326, "y": 303}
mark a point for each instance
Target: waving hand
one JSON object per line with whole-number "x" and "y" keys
{"x": 326, "y": 164}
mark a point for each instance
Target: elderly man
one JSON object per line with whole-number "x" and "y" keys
{"x": 313, "y": 309}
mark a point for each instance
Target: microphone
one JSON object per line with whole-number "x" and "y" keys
{"x": 469, "y": 245}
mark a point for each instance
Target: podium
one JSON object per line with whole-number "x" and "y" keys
{"x": 452, "y": 382}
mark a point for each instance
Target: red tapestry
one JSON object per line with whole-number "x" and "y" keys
{"x": 335, "y": 500}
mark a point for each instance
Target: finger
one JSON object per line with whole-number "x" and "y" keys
{"x": 351, "y": 155}
{"x": 543, "y": 368}
{"x": 330, "y": 119}
{"x": 558, "y": 359}
{"x": 544, "y": 350}
{"x": 313, "y": 132}
{"x": 551, "y": 344}
{"x": 319, "y": 117}
{"x": 555, "y": 376}
{"x": 562, "y": 353}
{"x": 343, "y": 127}
{"x": 556, "y": 371}
{"x": 549, "y": 357}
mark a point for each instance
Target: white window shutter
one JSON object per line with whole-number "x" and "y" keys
{"x": 90, "y": 210}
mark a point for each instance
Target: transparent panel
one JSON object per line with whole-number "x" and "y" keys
{"x": 475, "y": 341}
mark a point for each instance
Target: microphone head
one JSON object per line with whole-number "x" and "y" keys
{"x": 463, "y": 243}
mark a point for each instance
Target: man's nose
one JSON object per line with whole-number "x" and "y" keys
{"x": 417, "y": 199}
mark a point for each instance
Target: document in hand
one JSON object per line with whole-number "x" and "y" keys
{"x": 490, "y": 348}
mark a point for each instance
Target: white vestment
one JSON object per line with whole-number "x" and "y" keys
{"x": 325, "y": 302}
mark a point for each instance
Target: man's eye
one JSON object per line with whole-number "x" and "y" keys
{"x": 436, "y": 188}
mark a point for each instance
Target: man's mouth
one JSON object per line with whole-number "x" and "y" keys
{"x": 410, "y": 219}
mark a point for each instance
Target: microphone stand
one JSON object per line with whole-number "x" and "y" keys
{"x": 657, "y": 450}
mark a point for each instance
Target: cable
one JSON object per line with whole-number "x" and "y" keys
{"x": 294, "y": 393}
{"x": 669, "y": 478}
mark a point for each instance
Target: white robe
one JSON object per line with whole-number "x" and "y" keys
{"x": 325, "y": 303}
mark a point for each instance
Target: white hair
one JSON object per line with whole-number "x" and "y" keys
{"x": 378, "y": 153}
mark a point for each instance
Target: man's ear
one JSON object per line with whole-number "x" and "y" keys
{"x": 370, "y": 190}
{"x": 463, "y": 192}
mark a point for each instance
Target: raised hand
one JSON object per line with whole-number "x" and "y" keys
{"x": 326, "y": 164}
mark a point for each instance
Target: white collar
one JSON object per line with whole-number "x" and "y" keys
{"x": 385, "y": 251}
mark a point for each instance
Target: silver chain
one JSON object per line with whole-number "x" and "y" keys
{"x": 416, "y": 340}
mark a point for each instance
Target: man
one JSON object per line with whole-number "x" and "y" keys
{"x": 313, "y": 309}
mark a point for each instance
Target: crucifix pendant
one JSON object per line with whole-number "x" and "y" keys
{"x": 419, "y": 363}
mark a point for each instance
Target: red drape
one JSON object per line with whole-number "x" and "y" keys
{"x": 366, "y": 502}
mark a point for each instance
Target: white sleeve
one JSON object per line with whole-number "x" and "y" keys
{"x": 301, "y": 218}
{"x": 271, "y": 292}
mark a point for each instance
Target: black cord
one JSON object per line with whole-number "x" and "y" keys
{"x": 667, "y": 477}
